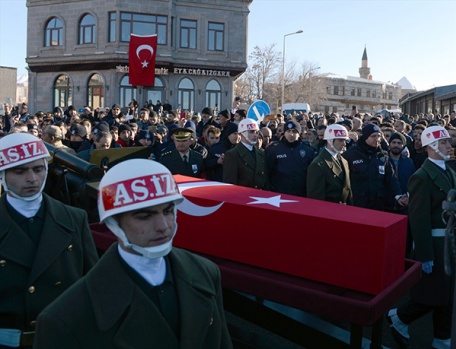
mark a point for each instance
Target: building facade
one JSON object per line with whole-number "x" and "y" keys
{"x": 368, "y": 95}
{"x": 437, "y": 100}
{"x": 77, "y": 51}
{"x": 8, "y": 77}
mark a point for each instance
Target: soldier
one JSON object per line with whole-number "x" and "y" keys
{"x": 45, "y": 246}
{"x": 428, "y": 187}
{"x": 173, "y": 295}
{"x": 328, "y": 177}
{"x": 183, "y": 160}
{"x": 245, "y": 164}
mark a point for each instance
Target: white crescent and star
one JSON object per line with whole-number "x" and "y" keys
{"x": 192, "y": 209}
{"x": 273, "y": 201}
{"x": 140, "y": 48}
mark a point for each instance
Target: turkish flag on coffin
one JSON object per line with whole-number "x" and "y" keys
{"x": 340, "y": 245}
{"x": 141, "y": 60}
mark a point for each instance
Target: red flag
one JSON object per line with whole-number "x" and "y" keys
{"x": 141, "y": 60}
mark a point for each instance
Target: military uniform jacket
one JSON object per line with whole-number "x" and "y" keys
{"x": 33, "y": 276}
{"x": 428, "y": 187}
{"x": 240, "y": 167}
{"x": 173, "y": 161}
{"x": 329, "y": 180}
{"x": 107, "y": 309}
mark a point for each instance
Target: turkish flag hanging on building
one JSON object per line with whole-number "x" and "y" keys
{"x": 141, "y": 59}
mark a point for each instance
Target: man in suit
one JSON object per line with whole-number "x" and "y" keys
{"x": 183, "y": 160}
{"x": 143, "y": 293}
{"x": 428, "y": 187}
{"x": 328, "y": 176}
{"x": 245, "y": 164}
{"x": 45, "y": 246}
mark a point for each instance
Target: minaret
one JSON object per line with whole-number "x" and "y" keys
{"x": 364, "y": 71}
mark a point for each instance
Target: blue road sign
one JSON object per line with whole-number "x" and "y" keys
{"x": 258, "y": 111}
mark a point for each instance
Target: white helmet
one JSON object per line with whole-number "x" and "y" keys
{"x": 122, "y": 191}
{"x": 335, "y": 131}
{"x": 247, "y": 125}
{"x": 17, "y": 149}
{"x": 20, "y": 148}
{"x": 431, "y": 136}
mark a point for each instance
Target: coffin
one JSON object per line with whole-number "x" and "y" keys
{"x": 358, "y": 249}
{"x": 350, "y": 247}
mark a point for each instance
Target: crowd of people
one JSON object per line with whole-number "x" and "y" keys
{"x": 395, "y": 163}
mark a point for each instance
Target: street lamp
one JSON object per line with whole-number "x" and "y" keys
{"x": 283, "y": 64}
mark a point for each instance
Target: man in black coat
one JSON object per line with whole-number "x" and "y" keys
{"x": 45, "y": 246}
{"x": 372, "y": 179}
{"x": 144, "y": 293}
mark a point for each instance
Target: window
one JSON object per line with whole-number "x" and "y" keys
{"x": 54, "y": 32}
{"x": 62, "y": 92}
{"x": 87, "y": 30}
{"x": 112, "y": 27}
{"x": 374, "y": 94}
{"x": 213, "y": 94}
{"x": 187, "y": 34}
{"x": 127, "y": 91}
{"x": 336, "y": 90}
{"x": 368, "y": 92}
{"x": 358, "y": 92}
{"x": 95, "y": 91}
{"x": 352, "y": 92}
{"x": 215, "y": 36}
{"x": 390, "y": 95}
{"x": 186, "y": 94}
{"x": 155, "y": 93}
{"x": 132, "y": 23}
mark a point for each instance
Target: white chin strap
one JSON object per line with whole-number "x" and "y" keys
{"x": 246, "y": 136}
{"x": 17, "y": 196}
{"x": 148, "y": 252}
{"x": 331, "y": 145}
{"x": 435, "y": 145}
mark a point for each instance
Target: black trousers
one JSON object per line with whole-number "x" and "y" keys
{"x": 441, "y": 316}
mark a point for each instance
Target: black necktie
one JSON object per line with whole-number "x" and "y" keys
{"x": 185, "y": 159}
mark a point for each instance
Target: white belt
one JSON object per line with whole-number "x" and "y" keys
{"x": 438, "y": 232}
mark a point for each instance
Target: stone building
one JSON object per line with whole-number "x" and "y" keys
{"x": 77, "y": 51}
{"x": 368, "y": 95}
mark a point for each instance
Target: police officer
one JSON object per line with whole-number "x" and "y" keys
{"x": 45, "y": 246}
{"x": 144, "y": 293}
{"x": 328, "y": 176}
{"x": 245, "y": 164}
{"x": 428, "y": 187}
{"x": 183, "y": 160}
{"x": 287, "y": 161}
{"x": 372, "y": 180}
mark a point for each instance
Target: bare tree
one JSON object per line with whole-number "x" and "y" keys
{"x": 308, "y": 86}
{"x": 261, "y": 76}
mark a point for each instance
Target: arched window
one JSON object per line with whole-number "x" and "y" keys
{"x": 62, "y": 91}
{"x": 155, "y": 93}
{"x": 95, "y": 91}
{"x": 54, "y": 32}
{"x": 87, "y": 30}
{"x": 186, "y": 94}
{"x": 213, "y": 94}
{"x": 127, "y": 92}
